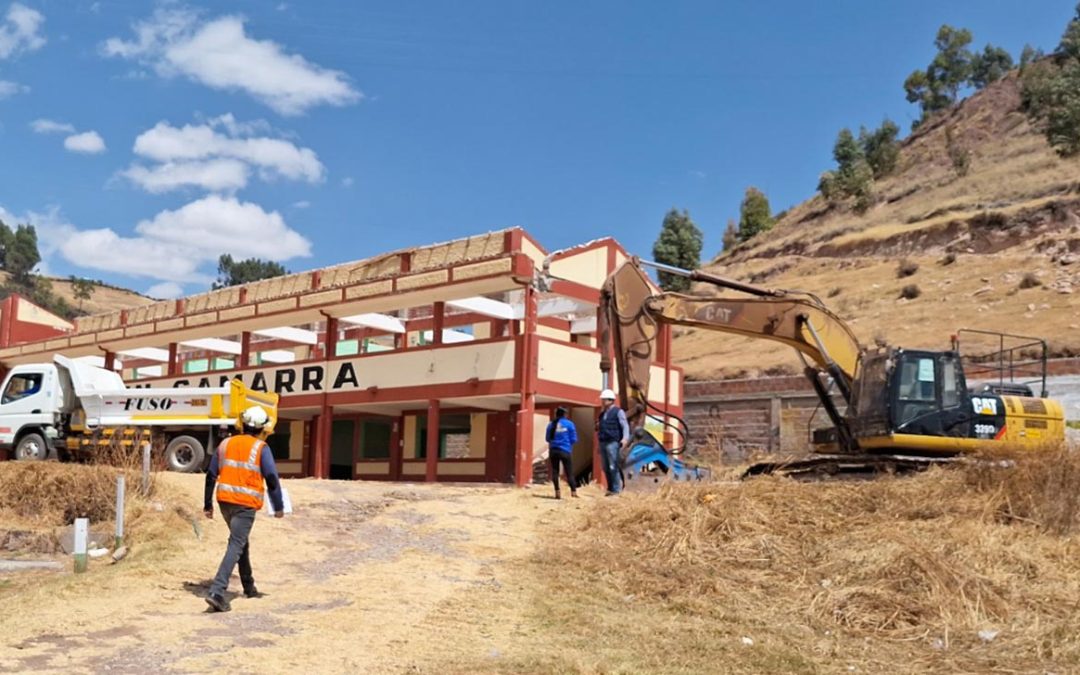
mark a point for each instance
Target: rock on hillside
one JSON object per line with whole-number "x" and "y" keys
{"x": 974, "y": 237}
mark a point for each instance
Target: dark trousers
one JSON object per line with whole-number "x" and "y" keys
{"x": 559, "y": 457}
{"x": 240, "y": 520}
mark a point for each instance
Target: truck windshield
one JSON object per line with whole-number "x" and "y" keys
{"x": 21, "y": 386}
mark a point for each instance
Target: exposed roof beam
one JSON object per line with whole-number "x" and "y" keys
{"x": 485, "y": 306}
{"x": 290, "y": 334}
{"x": 277, "y": 356}
{"x": 583, "y": 326}
{"x": 219, "y": 345}
{"x": 449, "y": 336}
{"x": 383, "y": 322}
{"x": 147, "y": 353}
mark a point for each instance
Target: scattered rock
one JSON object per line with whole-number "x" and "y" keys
{"x": 119, "y": 554}
{"x": 988, "y": 635}
{"x": 1031, "y": 307}
{"x": 983, "y": 291}
{"x": 937, "y": 643}
{"x": 98, "y": 552}
{"x": 749, "y": 642}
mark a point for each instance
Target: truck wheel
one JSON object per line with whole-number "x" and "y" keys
{"x": 32, "y": 447}
{"x": 184, "y": 454}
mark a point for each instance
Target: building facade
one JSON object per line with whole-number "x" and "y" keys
{"x": 443, "y": 362}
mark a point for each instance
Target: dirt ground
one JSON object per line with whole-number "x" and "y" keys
{"x": 363, "y": 577}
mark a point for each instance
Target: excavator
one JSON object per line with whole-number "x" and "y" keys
{"x": 893, "y": 408}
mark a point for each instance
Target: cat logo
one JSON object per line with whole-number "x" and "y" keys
{"x": 984, "y": 406}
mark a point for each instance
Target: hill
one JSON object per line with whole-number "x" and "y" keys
{"x": 105, "y": 298}
{"x": 975, "y": 238}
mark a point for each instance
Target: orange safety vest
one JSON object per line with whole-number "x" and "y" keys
{"x": 240, "y": 479}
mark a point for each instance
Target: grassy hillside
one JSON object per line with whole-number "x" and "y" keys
{"x": 974, "y": 238}
{"x": 105, "y": 298}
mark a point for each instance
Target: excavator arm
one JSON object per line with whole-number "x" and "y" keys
{"x": 631, "y": 311}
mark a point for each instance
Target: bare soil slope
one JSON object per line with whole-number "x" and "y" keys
{"x": 104, "y": 298}
{"x": 1016, "y": 212}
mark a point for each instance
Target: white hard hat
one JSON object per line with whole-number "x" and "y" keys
{"x": 255, "y": 417}
{"x": 607, "y": 395}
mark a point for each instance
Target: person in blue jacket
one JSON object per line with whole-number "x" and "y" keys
{"x": 561, "y": 437}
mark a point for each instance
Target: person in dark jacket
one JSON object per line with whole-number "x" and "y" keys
{"x": 561, "y": 437}
{"x": 614, "y": 433}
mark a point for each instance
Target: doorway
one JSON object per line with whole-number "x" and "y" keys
{"x": 342, "y": 449}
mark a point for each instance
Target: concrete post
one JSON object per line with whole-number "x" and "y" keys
{"x": 82, "y": 526}
{"x": 119, "y": 511}
{"x": 432, "y": 447}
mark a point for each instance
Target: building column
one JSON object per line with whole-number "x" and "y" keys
{"x": 438, "y": 319}
{"x": 174, "y": 359}
{"x": 245, "y": 349}
{"x": 110, "y": 360}
{"x": 330, "y": 338}
{"x": 432, "y": 447}
{"x": 397, "y": 434}
{"x": 320, "y": 466}
{"x": 527, "y": 372}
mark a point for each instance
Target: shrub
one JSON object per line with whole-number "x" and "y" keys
{"x": 949, "y": 259}
{"x": 1030, "y": 281}
{"x": 910, "y": 292}
{"x": 906, "y": 268}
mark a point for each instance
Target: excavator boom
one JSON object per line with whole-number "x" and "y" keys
{"x": 632, "y": 309}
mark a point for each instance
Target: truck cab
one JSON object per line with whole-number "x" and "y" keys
{"x": 31, "y": 400}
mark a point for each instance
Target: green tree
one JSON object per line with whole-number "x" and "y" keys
{"x": 1028, "y": 56}
{"x": 1050, "y": 92}
{"x": 881, "y": 148}
{"x": 952, "y": 63}
{"x": 755, "y": 216}
{"x": 82, "y": 289}
{"x": 679, "y": 244}
{"x": 989, "y": 66}
{"x": 235, "y": 272}
{"x": 854, "y": 177}
{"x": 20, "y": 252}
{"x": 731, "y": 235}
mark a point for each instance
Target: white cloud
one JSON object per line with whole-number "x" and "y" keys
{"x": 20, "y": 31}
{"x": 218, "y": 156}
{"x": 88, "y": 142}
{"x": 9, "y": 88}
{"x": 46, "y": 126}
{"x": 166, "y": 290}
{"x": 219, "y": 54}
{"x": 302, "y": 204}
{"x": 173, "y": 245}
{"x": 347, "y": 181}
{"x": 216, "y": 175}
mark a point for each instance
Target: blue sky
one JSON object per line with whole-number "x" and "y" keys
{"x": 145, "y": 139}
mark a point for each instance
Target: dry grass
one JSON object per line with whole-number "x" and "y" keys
{"x": 893, "y": 575}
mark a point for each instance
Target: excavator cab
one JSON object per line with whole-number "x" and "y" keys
{"x": 928, "y": 395}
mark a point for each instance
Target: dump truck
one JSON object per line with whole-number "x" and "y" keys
{"x": 68, "y": 409}
{"x": 889, "y": 408}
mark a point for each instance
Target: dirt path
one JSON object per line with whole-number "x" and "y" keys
{"x": 364, "y": 577}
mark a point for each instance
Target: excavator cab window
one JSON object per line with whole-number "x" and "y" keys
{"x": 929, "y": 394}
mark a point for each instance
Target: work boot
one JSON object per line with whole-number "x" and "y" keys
{"x": 557, "y": 495}
{"x": 573, "y": 493}
{"x": 218, "y": 602}
{"x": 252, "y": 592}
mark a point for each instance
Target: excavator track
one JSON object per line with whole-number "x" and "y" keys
{"x": 847, "y": 466}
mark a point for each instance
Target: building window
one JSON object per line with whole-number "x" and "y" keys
{"x": 279, "y": 441}
{"x": 375, "y": 439}
{"x": 454, "y": 430}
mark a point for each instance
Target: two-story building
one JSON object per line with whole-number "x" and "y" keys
{"x": 443, "y": 362}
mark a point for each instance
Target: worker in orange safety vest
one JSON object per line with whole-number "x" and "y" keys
{"x": 239, "y": 467}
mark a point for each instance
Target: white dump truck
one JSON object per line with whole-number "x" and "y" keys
{"x": 67, "y": 409}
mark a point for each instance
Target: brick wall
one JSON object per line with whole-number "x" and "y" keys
{"x": 730, "y": 420}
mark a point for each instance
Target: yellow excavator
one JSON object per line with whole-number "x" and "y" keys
{"x": 896, "y": 408}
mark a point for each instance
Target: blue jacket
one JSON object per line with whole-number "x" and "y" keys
{"x": 561, "y": 435}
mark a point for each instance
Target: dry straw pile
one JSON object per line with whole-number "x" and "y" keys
{"x": 971, "y": 569}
